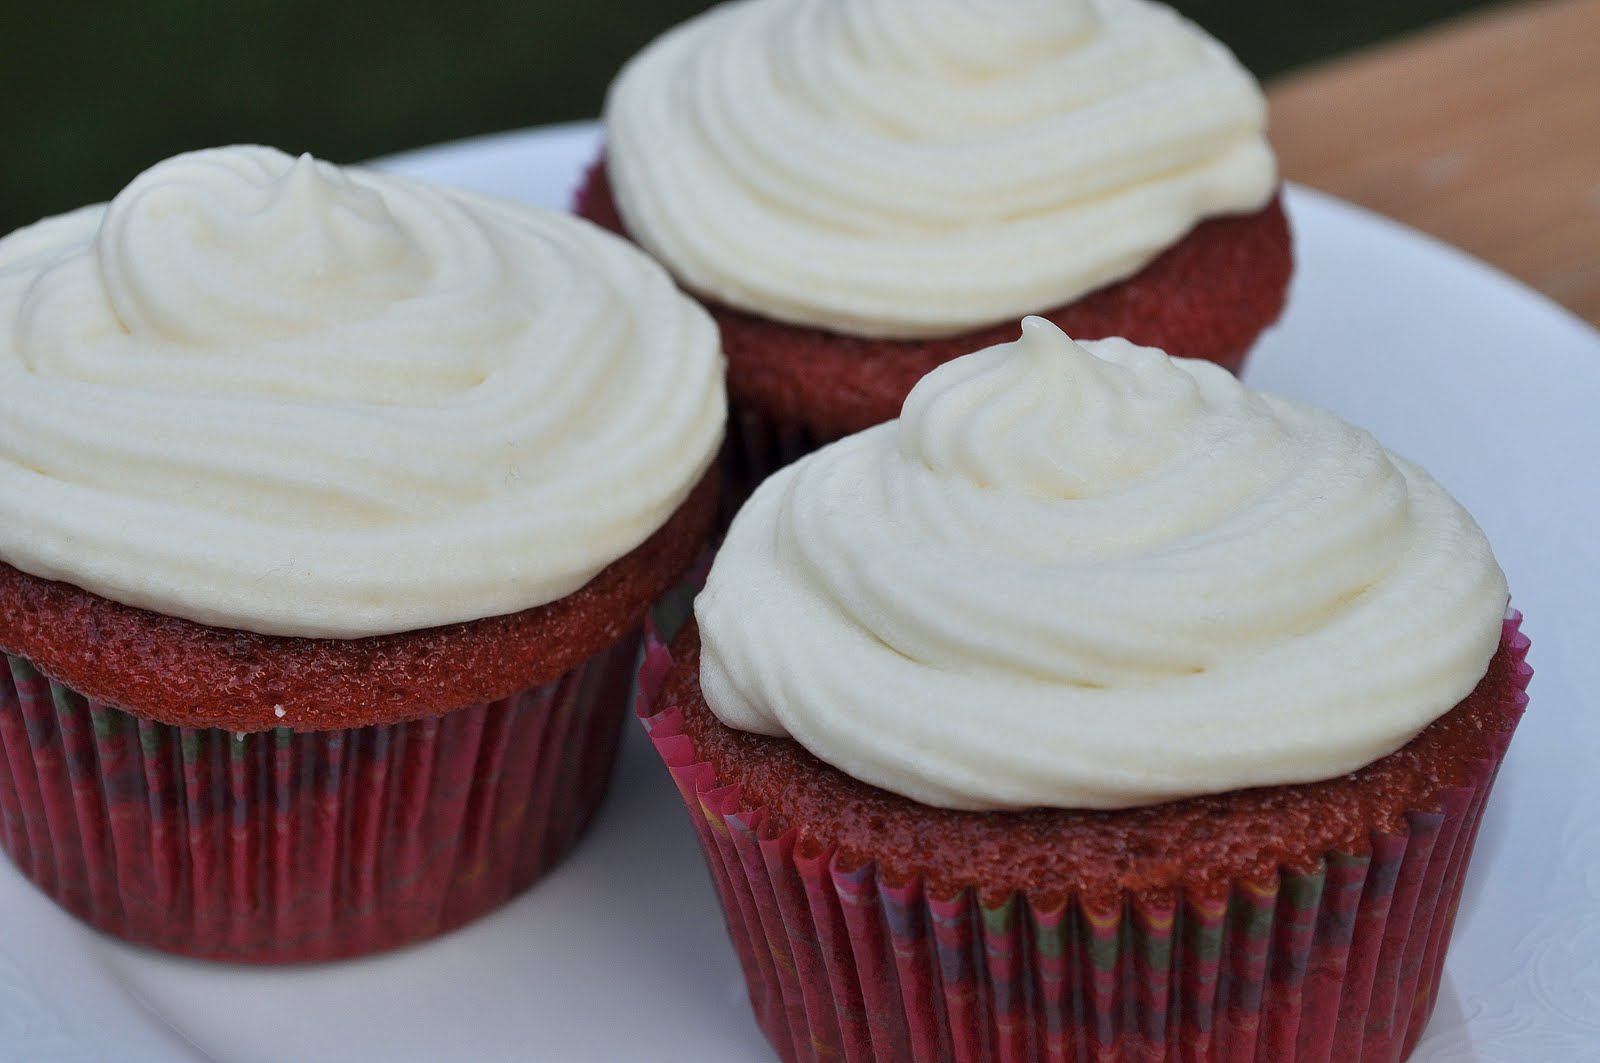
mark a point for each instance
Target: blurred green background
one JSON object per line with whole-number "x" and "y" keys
{"x": 93, "y": 93}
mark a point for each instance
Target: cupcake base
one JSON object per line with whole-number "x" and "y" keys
{"x": 1336, "y": 961}
{"x": 279, "y": 846}
{"x": 265, "y": 798}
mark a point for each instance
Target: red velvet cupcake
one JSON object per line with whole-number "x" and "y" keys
{"x": 324, "y": 553}
{"x": 860, "y": 192}
{"x": 1097, "y": 708}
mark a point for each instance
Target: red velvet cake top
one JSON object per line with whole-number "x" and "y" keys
{"x": 1199, "y": 845}
{"x": 1208, "y": 296}
{"x": 187, "y": 674}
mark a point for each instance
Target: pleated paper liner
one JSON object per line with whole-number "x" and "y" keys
{"x": 283, "y": 846}
{"x": 756, "y": 447}
{"x": 1339, "y": 965}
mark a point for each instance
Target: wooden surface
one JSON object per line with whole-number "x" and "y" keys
{"x": 1484, "y": 132}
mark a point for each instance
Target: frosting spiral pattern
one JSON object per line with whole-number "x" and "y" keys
{"x": 271, "y": 394}
{"x": 1091, "y": 576}
{"x": 917, "y": 168}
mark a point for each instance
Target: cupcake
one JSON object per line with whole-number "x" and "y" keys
{"x": 331, "y": 505}
{"x": 861, "y": 190}
{"x": 1098, "y": 708}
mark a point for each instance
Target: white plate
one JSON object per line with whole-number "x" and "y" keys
{"x": 1490, "y": 386}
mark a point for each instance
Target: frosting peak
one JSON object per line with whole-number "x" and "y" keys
{"x": 269, "y": 393}
{"x": 922, "y": 167}
{"x": 1045, "y": 417}
{"x": 322, "y": 249}
{"x": 954, "y": 39}
{"x": 1089, "y": 575}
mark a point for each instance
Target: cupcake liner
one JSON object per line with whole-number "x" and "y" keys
{"x": 757, "y": 446}
{"x": 1337, "y": 965}
{"x": 674, "y": 608}
{"x": 280, "y": 845}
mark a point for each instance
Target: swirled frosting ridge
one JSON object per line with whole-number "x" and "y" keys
{"x": 268, "y": 393}
{"x": 917, "y": 168}
{"x": 1091, "y": 576}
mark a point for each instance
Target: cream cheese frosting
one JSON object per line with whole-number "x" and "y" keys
{"x": 917, "y": 168}
{"x": 1091, "y": 576}
{"x": 272, "y": 394}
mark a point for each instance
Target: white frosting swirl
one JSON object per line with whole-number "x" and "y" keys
{"x": 921, "y": 167}
{"x": 271, "y": 394}
{"x": 1096, "y": 577}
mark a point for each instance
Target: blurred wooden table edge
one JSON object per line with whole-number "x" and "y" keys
{"x": 1484, "y": 131}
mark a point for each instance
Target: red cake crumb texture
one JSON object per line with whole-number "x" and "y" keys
{"x": 186, "y": 674}
{"x": 1199, "y": 846}
{"x": 1208, "y": 296}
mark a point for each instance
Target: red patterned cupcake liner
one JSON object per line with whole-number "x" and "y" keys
{"x": 280, "y": 845}
{"x": 1337, "y": 965}
{"x": 758, "y": 446}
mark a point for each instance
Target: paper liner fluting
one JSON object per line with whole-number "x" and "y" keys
{"x": 1338, "y": 965}
{"x": 758, "y": 446}
{"x": 285, "y": 846}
